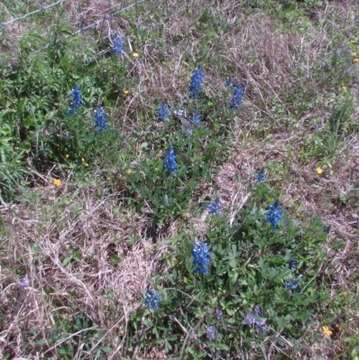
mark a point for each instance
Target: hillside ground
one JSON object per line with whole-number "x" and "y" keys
{"x": 104, "y": 236}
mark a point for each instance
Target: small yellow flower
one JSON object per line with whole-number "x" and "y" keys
{"x": 83, "y": 160}
{"x": 356, "y": 60}
{"x": 327, "y": 331}
{"x": 319, "y": 170}
{"x": 125, "y": 92}
{"x": 135, "y": 55}
{"x": 344, "y": 88}
{"x": 129, "y": 172}
{"x": 57, "y": 183}
{"x": 67, "y": 156}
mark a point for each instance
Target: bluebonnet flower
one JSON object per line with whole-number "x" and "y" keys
{"x": 196, "y": 119}
{"x": 152, "y": 299}
{"x": 196, "y": 85}
{"x": 228, "y": 83}
{"x": 201, "y": 257}
{"x": 293, "y": 264}
{"x": 180, "y": 113}
{"x": 213, "y": 208}
{"x": 170, "y": 161}
{"x": 211, "y": 332}
{"x": 163, "y": 112}
{"x": 261, "y": 175}
{"x": 254, "y": 319}
{"x": 274, "y": 214}
{"x": 117, "y": 45}
{"x": 24, "y": 282}
{"x": 101, "y": 120}
{"x": 76, "y": 100}
{"x": 218, "y": 313}
{"x": 291, "y": 284}
{"x": 237, "y": 96}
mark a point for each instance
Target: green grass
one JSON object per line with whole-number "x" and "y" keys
{"x": 250, "y": 265}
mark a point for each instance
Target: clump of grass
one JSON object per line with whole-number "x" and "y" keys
{"x": 324, "y": 144}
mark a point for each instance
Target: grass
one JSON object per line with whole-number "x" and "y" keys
{"x": 91, "y": 221}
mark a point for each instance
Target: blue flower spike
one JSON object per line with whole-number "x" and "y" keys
{"x": 101, "y": 119}
{"x": 76, "y": 100}
{"x": 152, "y": 300}
{"x": 196, "y": 119}
{"x": 274, "y": 214}
{"x": 196, "y": 85}
{"x": 163, "y": 112}
{"x": 291, "y": 284}
{"x": 218, "y": 313}
{"x": 211, "y": 333}
{"x": 255, "y": 319}
{"x": 213, "y": 207}
{"x": 261, "y": 175}
{"x": 170, "y": 161}
{"x": 228, "y": 83}
{"x": 293, "y": 264}
{"x": 118, "y": 45}
{"x": 237, "y": 96}
{"x": 201, "y": 257}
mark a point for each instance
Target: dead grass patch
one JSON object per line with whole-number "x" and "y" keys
{"x": 76, "y": 252}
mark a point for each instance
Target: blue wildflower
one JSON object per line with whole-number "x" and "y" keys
{"x": 163, "y": 112}
{"x": 212, "y": 332}
{"x": 196, "y": 119}
{"x": 201, "y": 257}
{"x": 117, "y": 45}
{"x": 101, "y": 120}
{"x": 76, "y": 100}
{"x": 254, "y": 319}
{"x": 152, "y": 299}
{"x": 274, "y": 214}
{"x": 196, "y": 85}
{"x": 293, "y": 264}
{"x": 218, "y": 313}
{"x": 170, "y": 161}
{"x": 261, "y": 175}
{"x": 228, "y": 83}
{"x": 213, "y": 207}
{"x": 24, "y": 282}
{"x": 291, "y": 284}
{"x": 181, "y": 113}
{"x": 237, "y": 96}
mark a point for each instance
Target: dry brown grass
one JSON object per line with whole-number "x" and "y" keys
{"x": 42, "y": 235}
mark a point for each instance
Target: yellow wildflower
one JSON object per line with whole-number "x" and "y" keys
{"x": 135, "y": 55}
{"x": 57, "y": 183}
{"x": 356, "y": 60}
{"x": 67, "y": 156}
{"x": 129, "y": 172}
{"x": 319, "y": 170}
{"x": 327, "y": 331}
{"x": 125, "y": 92}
